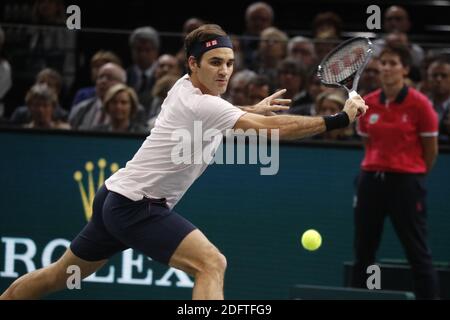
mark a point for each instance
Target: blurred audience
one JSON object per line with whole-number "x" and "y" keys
{"x": 238, "y": 87}
{"x": 327, "y": 104}
{"x": 144, "y": 44}
{"x": 42, "y": 101}
{"x": 121, "y": 103}
{"x": 327, "y": 27}
{"x": 258, "y": 89}
{"x": 439, "y": 94}
{"x": 272, "y": 49}
{"x": 302, "y": 49}
{"x": 397, "y": 25}
{"x": 100, "y": 58}
{"x": 53, "y": 80}
{"x": 370, "y": 77}
{"x": 258, "y": 17}
{"x": 90, "y": 113}
{"x": 292, "y": 77}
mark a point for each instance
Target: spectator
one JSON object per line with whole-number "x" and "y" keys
{"x": 42, "y": 100}
{"x": 258, "y": 17}
{"x": 399, "y": 131}
{"x": 302, "y": 50}
{"x": 90, "y": 113}
{"x": 167, "y": 64}
{"x": 327, "y": 104}
{"x": 292, "y": 77}
{"x": 327, "y": 27}
{"x": 397, "y": 25}
{"x": 144, "y": 44}
{"x": 53, "y": 80}
{"x": 100, "y": 58}
{"x": 370, "y": 77}
{"x": 314, "y": 88}
{"x": 272, "y": 49}
{"x": 324, "y": 42}
{"x": 258, "y": 87}
{"x": 238, "y": 87}
{"x": 439, "y": 86}
{"x": 121, "y": 104}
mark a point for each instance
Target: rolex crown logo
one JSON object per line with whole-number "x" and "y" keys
{"x": 88, "y": 194}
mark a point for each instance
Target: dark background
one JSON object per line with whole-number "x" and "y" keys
{"x": 107, "y": 24}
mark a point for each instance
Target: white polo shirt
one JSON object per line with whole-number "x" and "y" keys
{"x": 153, "y": 172}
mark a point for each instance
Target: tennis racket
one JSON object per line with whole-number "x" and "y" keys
{"x": 345, "y": 63}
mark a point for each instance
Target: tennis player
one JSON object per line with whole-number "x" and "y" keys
{"x": 134, "y": 209}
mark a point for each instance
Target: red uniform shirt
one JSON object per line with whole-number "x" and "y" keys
{"x": 394, "y": 131}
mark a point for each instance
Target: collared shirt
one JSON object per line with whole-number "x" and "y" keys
{"x": 394, "y": 130}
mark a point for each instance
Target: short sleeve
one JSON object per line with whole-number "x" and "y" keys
{"x": 428, "y": 125}
{"x": 216, "y": 113}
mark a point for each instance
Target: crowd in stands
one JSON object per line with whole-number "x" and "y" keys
{"x": 40, "y": 62}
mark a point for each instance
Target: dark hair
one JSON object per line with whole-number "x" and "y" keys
{"x": 327, "y": 18}
{"x": 292, "y": 66}
{"x": 107, "y": 56}
{"x": 399, "y": 50}
{"x": 204, "y": 33}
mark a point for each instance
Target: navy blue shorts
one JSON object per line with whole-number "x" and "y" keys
{"x": 118, "y": 223}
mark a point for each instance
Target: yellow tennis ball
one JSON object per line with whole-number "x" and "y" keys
{"x": 311, "y": 240}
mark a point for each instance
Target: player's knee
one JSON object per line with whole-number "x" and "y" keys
{"x": 214, "y": 262}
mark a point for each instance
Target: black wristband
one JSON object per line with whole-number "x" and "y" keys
{"x": 336, "y": 121}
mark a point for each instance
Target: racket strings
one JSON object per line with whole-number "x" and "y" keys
{"x": 345, "y": 62}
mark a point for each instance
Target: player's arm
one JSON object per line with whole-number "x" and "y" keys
{"x": 430, "y": 151}
{"x": 297, "y": 127}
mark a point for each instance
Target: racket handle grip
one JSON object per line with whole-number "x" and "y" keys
{"x": 352, "y": 94}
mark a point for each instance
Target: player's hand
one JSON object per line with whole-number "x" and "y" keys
{"x": 271, "y": 104}
{"x": 355, "y": 107}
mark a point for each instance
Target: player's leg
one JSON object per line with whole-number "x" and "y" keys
{"x": 197, "y": 256}
{"x": 151, "y": 227}
{"x": 408, "y": 216}
{"x": 89, "y": 251}
{"x": 369, "y": 215}
{"x": 41, "y": 282}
